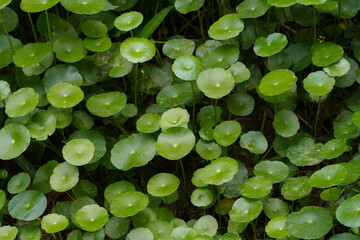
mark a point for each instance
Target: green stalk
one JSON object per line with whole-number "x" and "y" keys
{"x": 183, "y": 173}
{"x": 136, "y": 84}
{"x": 317, "y": 117}
{"x": 215, "y": 110}
{"x": 332, "y": 208}
{"x": 256, "y": 28}
{"x": 7, "y": 33}
{"x": 48, "y": 27}
{"x": 314, "y": 12}
{"x": 194, "y": 104}
{"x": 60, "y": 236}
{"x": 264, "y": 118}
{"x": 32, "y": 27}
{"x": 254, "y": 230}
{"x": 201, "y": 25}
{"x": 218, "y": 202}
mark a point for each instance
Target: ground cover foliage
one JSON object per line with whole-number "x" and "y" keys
{"x": 179, "y": 119}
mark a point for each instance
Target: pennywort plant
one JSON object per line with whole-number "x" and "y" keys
{"x": 179, "y": 119}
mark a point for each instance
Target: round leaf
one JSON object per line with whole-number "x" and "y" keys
{"x": 175, "y": 143}
{"x": 310, "y": 222}
{"x": 140, "y": 234}
{"x": 33, "y": 6}
{"x": 91, "y": 217}
{"x": 227, "y": 132}
{"x": 78, "y": 152}
{"x": 319, "y": 83}
{"x": 84, "y": 6}
{"x": 256, "y": 187}
{"x": 18, "y": 183}
{"x": 65, "y": 176}
{"x": 333, "y": 148}
{"x": 21, "y": 102}
{"x": 272, "y": 44}
{"x": 187, "y": 67}
{"x": 348, "y": 212}
{"x": 14, "y": 140}
{"x": 97, "y": 45}
{"x": 226, "y": 27}
{"x": 326, "y": 53}
{"x": 106, "y": 104}
{"x": 201, "y": 197}
{"x": 286, "y": 123}
{"x": 175, "y": 48}
{"x": 240, "y": 104}
{"x": 277, "y": 82}
{"x": 117, "y": 188}
{"x": 254, "y": 141}
{"x": 31, "y": 54}
{"x": 148, "y": 123}
{"x": 162, "y": 184}
{"x": 134, "y": 151}
{"x": 69, "y": 49}
{"x": 252, "y": 8}
{"x": 137, "y": 50}
{"x": 328, "y": 176}
{"x": 186, "y": 6}
{"x": 275, "y": 207}
{"x": 128, "y": 204}
{"x": 93, "y": 28}
{"x": 128, "y": 21}
{"x": 215, "y": 83}
{"x": 245, "y": 210}
{"x": 53, "y": 223}
{"x": 295, "y": 188}
{"x": 275, "y": 228}
{"x": 276, "y": 171}
{"x": 220, "y": 171}
{"x": 27, "y": 205}
{"x": 64, "y": 95}
{"x": 8, "y": 232}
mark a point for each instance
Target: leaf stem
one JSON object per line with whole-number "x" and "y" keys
{"x": 194, "y": 104}
{"x": 201, "y": 25}
{"x": 215, "y": 105}
{"x": 7, "y": 33}
{"x": 48, "y": 27}
{"x": 136, "y": 84}
{"x": 32, "y": 27}
{"x": 183, "y": 173}
{"x": 332, "y": 207}
{"x": 264, "y": 118}
{"x": 314, "y": 12}
{"x": 317, "y": 118}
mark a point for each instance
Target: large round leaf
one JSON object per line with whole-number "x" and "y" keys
{"x": 220, "y": 171}
{"x": 91, "y": 217}
{"x": 310, "y": 222}
{"x": 78, "y": 152}
{"x": 106, "y": 104}
{"x": 215, "y": 83}
{"x": 93, "y": 28}
{"x": 277, "y": 82}
{"x": 275, "y": 171}
{"x": 65, "y": 176}
{"x": 8, "y": 232}
{"x": 117, "y": 188}
{"x": 134, "y": 151}
{"x": 18, "y": 183}
{"x": 187, "y": 67}
{"x": 84, "y": 6}
{"x": 162, "y": 184}
{"x": 37, "y": 5}
{"x": 245, "y": 210}
{"x": 31, "y": 54}
{"x": 62, "y": 73}
{"x": 69, "y": 49}
{"x": 348, "y": 213}
{"x": 64, "y": 95}
{"x": 21, "y": 102}
{"x": 286, "y": 123}
{"x": 328, "y": 176}
{"x": 240, "y": 104}
{"x": 186, "y": 6}
{"x": 256, "y": 187}
{"x": 96, "y": 138}
{"x": 252, "y": 8}
{"x": 226, "y": 27}
{"x": 304, "y": 152}
{"x": 137, "y": 50}
{"x": 128, "y": 21}
{"x": 128, "y": 204}
{"x": 27, "y": 205}
{"x": 175, "y": 143}
{"x": 53, "y": 223}
{"x": 272, "y": 44}
{"x": 14, "y": 140}
{"x": 295, "y": 188}
{"x": 227, "y": 132}
{"x": 254, "y": 141}
{"x": 324, "y": 54}
{"x": 275, "y": 228}
{"x": 333, "y": 148}
{"x": 319, "y": 83}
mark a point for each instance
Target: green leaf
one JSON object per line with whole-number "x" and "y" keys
{"x": 328, "y": 176}
{"x": 128, "y": 21}
{"x": 106, "y": 104}
{"x": 31, "y": 53}
{"x": 296, "y": 188}
{"x": 206, "y": 225}
{"x": 33, "y": 6}
{"x": 91, "y": 217}
{"x": 137, "y": 50}
{"x": 175, "y": 143}
{"x": 97, "y": 45}
{"x": 275, "y": 171}
{"x": 252, "y": 8}
{"x": 8, "y": 232}
{"x": 18, "y": 183}
{"x": 64, "y": 95}
{"x": 84, "y": 7}
{"x": 52, "y": 223}
{"x": 78, "y": 152}
{"x": 128, "y": 204}
{"x": 310, "y": 222}
{"x": 228, "y": 26}
{"x": 254, "y": 141}
{"x": 64, "y": 177}
{"x": 4, "y": 3}
{"x": 215, "y": 83}
{"x": 286, "y": 123}
{"x": 187, "y": 67}
{"x": 219, "y": 171}
{"x": 324, "y": 54}
{"x": 240, "y": 104}
{"x": 277, "y": 82}
{"x": 6, "y": 55}
{"x": 14, "y": 139}
{"x": 319, "y": 83}
{"x": 245, "y": 210}
{"x": 162, "y": 184}
{"x": 117, "y": 188}
{"x": 134, "y": 151}
{"x": 27, "y": 205}
{"x": 227, "y": 132}
{"x": 186, "y": 6}
{"x": 154, "y": 23}
{"x": 272, "y": 44}
{"x": 348, "y": 212}
{"x": 94, "y": 28}
{"x": 140, "y": 234}
{"x": 62, "y": 73}
{"x": 256, "y": 187}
